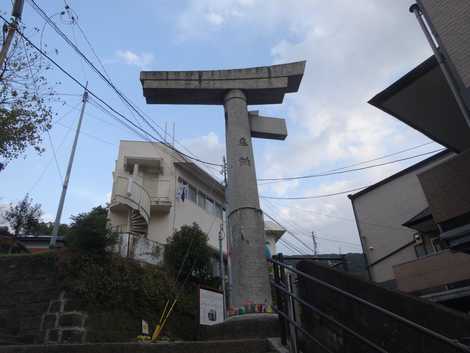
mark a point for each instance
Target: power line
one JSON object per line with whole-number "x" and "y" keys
{"x": 344, "y": 219}
{"x": 55, "y": 156}
{"x": 111, "y": 84}
{"x": 88, "y": 134}
{"x": 48, "y": 164}
{"x": 73, "y": 78}
{"x": 370, "y": 160}
{"x": 292, "y": 234}
{"x": 349, "y": 170}
{"x": 313, "y": 196}
{"x": 290, "y": 246}
{"x": 301, "y": 231}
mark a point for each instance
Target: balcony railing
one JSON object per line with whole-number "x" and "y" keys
{"x": 127, "y": 190}
{"x": 432, "y": 271}
{"x": 161, "y": 201}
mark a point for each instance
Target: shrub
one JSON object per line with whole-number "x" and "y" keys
{"x": 90, "y": 232}
{"x": 188, "y": 254}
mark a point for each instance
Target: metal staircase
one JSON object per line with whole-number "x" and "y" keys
{"x": 138, "y": 226}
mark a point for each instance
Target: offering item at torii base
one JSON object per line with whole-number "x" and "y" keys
{"x": 235, "y": 90}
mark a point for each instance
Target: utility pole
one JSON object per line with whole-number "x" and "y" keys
{"x": 224, "y": 170}
{"x": 55, "y": 230}
{"x": 315, "y": 244}
{"x": 16, "y": 13}
{"x": 222, "y": 270}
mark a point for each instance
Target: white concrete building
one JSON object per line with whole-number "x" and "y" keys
{"x": 156, "y": 191}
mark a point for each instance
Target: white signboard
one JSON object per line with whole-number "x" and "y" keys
{"x": 211, "y": 307}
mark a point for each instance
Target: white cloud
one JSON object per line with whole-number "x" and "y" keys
{"x": 215, "y": 18}
{"x": 354, "y": 49}
{"x": 141, "y": 60}
{"x": 208, "y": 148}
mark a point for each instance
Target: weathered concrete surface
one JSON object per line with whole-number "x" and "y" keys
{"x": 236, "y": 89}
{"x": 261, "y": 85}
{"x": 266, "y": 127}
{"x": 388, "y": 332}
{"x": 234, "y": 346}
{"x": 245, "y": 219}
{"x": 245, "y": 326}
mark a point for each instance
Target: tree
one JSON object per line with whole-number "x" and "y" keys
{"x": 45, "y": 228}
{"x": 25, "y": 101}
{"x": 90, "y": 232}
{"x": 188, "y": 254}
{"x": 24, "y": 217}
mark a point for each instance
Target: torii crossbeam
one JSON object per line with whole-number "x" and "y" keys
{"x": 235, "y": 90}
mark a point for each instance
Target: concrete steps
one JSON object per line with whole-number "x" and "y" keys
{"x": 7, "y": 339}
{"x": 226, "y": 346}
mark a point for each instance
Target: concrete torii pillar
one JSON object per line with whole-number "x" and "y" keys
{"x": 235, "y": 90}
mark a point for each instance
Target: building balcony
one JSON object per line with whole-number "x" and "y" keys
{"x": 434, "y": 273}
{"x": 130, "y": 192}
{"x": 161, "y": 200}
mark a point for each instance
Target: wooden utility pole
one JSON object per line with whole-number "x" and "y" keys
{"x": 16, "y": 13}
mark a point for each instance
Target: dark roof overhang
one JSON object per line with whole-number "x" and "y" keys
{"x": 423, "y": 100}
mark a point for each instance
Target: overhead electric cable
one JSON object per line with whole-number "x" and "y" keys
{"x": 55, "y": 157}
{"x": 313, "y": 196}
{"x": 364, "y": 162}
{"x": 306, "y": 233}
{"x": 73, "y": 78}
{"x": 349, "y": 170}
{"x": 292, "y": 234}
{"x": 111, "y": 84}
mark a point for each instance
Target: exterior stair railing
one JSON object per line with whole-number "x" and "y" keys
{"x": 291, "y": 325}
{"x": 131, "y": 192}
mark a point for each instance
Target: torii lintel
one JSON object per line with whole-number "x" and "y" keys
{"x": 261, "y": 85}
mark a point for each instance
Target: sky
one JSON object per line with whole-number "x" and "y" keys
{"x": 353, "y": 49}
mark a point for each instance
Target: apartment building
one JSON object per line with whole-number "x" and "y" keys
{"x": 156, "y": 191}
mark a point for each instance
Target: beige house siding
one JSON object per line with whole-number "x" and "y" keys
{"x": 380, "y": 213}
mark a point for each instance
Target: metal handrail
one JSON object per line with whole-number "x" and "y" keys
{"x": 304, "y": 331}
{"x": 327, "y": 317}
{"x": 454, "y": 343}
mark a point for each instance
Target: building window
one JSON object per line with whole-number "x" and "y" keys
{"x": 210, "y": 206}
{"x": 182, "y": 190}
{"x": 420, "y": 250}
{"x": 201, "y": 200}
{"x": 219, "y": 210}
{"x": 437, "y": 244}
{"x": 192, "y": 193}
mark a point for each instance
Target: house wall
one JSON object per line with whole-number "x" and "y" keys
{"x": 447, "y": 188}
{"x": 380, "y": 214}
{"x": 164, "y": 223}
{"x": 188, "y": 212}
{"x": 434, "y": 270}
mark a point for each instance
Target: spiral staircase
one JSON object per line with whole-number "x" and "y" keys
{"x": 138, "y": 226}
{"x": 129, "y": 196}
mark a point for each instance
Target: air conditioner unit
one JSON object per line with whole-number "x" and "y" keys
{"x": 418, "y": 238}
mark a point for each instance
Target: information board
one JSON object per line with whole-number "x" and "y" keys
{"x": 211, "y": 307}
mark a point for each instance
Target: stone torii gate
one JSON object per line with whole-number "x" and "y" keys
{"x": 235, "y": 90}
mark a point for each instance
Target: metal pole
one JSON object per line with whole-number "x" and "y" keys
{"x": 17, "y": 11}
{"x": 291, "y": 313}
{"x": 453, "y": 87}
{"x": 222, "y": 270}
{"x": 280, "y": 300}
{"x": 55, "y": 230}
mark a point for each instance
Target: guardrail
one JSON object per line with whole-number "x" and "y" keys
{"x": 129, "y": 191}
{"x": 291, "y": 325}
